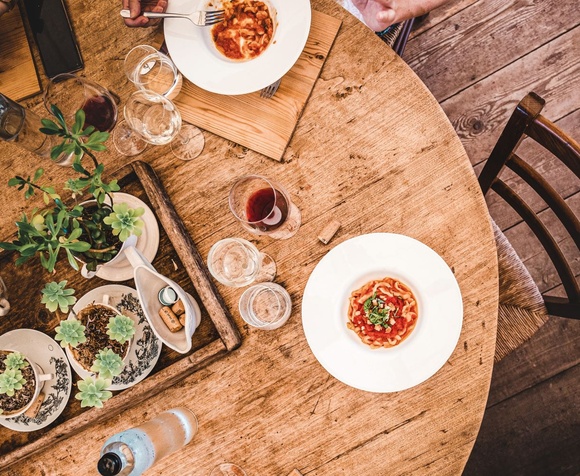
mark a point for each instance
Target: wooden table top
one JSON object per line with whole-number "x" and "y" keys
{"x": 374, "y": 150}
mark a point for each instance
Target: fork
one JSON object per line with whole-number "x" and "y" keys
{"x": 269, "y": 91}
{"x": 199, "y": 18}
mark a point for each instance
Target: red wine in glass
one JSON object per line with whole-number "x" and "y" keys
{"x": 100, "y": 112}
{"x": 266, "y": 209}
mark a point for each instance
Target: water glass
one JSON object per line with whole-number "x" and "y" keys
{"x": 237, "y": 262}
{"x": 266, "y": 306}
{"x": 263, "y": 207}
{"x": 70, "y": 93}
{"x": 148, "y": 68}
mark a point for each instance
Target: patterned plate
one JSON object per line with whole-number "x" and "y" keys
{"x": 145, "y": 346}
{"x": 50, "y": 357}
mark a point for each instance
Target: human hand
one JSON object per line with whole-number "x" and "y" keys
{"x": 5, "y": 7}
{"x": 136, "y": 7}
{"x": 378, "y": 14}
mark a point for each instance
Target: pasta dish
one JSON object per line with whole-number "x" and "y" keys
{"x": 383, "y": 312}
{"x": 246, "y": 30}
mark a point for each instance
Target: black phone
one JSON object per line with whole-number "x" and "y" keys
{"x": 54, "y": 36}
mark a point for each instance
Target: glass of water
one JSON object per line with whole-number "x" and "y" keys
{"x": 265, "y": 306}
{"x": 237, "y": 262}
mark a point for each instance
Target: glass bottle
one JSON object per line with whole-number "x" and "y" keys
{"x": 21, "y": 126}
{"x": 133, "y": 451}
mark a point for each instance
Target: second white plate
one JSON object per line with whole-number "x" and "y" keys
{"x": 346, "y": 268}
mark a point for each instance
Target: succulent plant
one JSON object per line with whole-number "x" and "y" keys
{"x": 92, "y": 392}
{"x": 16, "y": 361}
{"x": 70, "y": 332}
{"x": 10, "y": 381}
{"x": 54, "y": 295}
{"x": 121, "y": 328}
{"x": 125, "y": 221}
{"x": 107, "y": 364}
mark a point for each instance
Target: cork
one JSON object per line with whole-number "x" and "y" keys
{"x": 178, "y": 308}
{"x": 181, "y": 318}
{"x": 170, "y": 319}
{"x": 329, "y": 231}
{"x": 295, "y": 472}
{"x": 35, "y": 407}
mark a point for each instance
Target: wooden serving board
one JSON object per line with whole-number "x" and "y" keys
{"x": 263, "y": 125}
{"x": 18, "y": 78}
{"x": 177, "y": 258}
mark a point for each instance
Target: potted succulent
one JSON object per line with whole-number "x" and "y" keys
{"x": 90, "y": 232}
{"x": 97, "y": 338}
{"x": 17, "y": 384}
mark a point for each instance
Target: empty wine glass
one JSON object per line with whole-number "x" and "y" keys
{"x": 149, "y": 69}
{"x": 70, "y": 93}
{"x": 237, "y": 262}
{"x": 228, "y": 469}
{"x": 149, "y": 118}
{"x": 263, "y": 207}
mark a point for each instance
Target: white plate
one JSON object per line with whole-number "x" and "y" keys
{"x": 145, "y": 346}
{"x": 50, "y": 357}
{"x": 346, "y": 268}
{"x": 193, "y": 51}
{"x": 147, "y": 243}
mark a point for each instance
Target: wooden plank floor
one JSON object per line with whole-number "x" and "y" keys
{"x": 479, "y": 58}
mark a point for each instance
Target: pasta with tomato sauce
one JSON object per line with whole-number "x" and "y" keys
{"x": 246, "y": 30}
{"x": 383, "y": 312}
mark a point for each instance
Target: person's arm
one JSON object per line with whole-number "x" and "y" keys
{"x": 379, "y": 14}
{"x": 136, "y": 7}
{"x": 6, "y": 6}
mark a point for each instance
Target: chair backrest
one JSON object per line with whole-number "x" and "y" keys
{"x": 527, "y": 121}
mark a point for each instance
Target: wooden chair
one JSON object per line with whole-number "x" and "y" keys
{"x": 522, "y": 308}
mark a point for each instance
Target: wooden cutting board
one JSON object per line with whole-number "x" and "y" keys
{"x": 18, "y": 78}
{"x": 263, "y": 125}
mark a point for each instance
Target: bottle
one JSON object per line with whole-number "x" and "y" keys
{"x": 22, "y": 127}
{"x": 133, "y": 451}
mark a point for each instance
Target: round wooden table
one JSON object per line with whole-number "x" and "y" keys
{"x": 374, "y": 150}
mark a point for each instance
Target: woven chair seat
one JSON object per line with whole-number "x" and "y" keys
{"x": 521, "y": 307}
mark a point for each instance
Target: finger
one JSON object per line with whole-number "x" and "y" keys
{"x": 386, "y": 16}
{"x": 134, "y": 8}
{"x": 137, "y": 22}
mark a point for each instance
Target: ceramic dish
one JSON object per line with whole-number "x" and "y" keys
{"x": 147, "y": 243}
{"x": 195, "y": 55}
{"x": 145, "y": 347}
{"x": 51, "y": 358}
{"x": 355, "y": 262}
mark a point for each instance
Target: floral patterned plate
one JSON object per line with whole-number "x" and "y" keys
{"x": 50, "y": 357}
{"x": 145, "y": 346}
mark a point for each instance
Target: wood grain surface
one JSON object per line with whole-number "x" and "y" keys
{"x": 374, "y": 150}
{"x": 18, "y": 78}
{"x": 263, "y": 125}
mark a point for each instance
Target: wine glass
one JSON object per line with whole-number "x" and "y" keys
{"x": 228, "y": 469}
{"x": 149, "y": 69}
{"x": 263, "y": 207}
{"x": 237, "y": 262}
{"x": 70, "y": 93}
{"x": 265, "y": 306}
{"x": 150, "y": 118}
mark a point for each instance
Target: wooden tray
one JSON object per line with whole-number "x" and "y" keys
{"x": 263, "y": 125}
{"x": 176, "y": 258}
{"x": 18, "y": 78}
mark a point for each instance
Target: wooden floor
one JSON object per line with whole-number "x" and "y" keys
{"x": 479, "y": 58}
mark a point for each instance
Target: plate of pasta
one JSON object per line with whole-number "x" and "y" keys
{"x": 255, "y": 45}
{"x": 382, "y": 312}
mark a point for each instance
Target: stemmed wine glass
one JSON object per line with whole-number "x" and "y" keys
{"x": 263, "y": 207}
{"x": 237, "y": 262}
{"x": 150, "y": 70}
{"x": 71, "y": 93}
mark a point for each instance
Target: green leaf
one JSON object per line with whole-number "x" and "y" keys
{"x": 15, "y": 181}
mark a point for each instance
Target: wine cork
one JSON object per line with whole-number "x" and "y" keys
{"x": 181, "y": 318}
{"x": 295, "y": 472}
{"x": 35, "y": 407}
{"x": 178, "y": 308}
{"x": 329, "y": 231}
{"x": 170, "y": 319}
